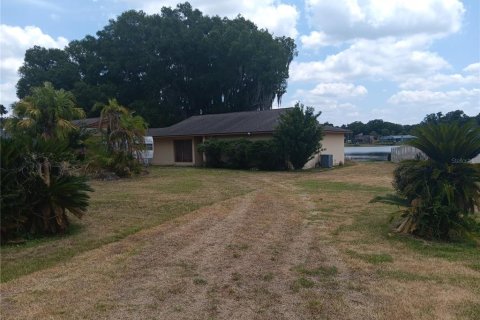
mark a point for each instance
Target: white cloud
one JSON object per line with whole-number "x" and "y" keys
{"x": 411, "y": 106}
{"x": 440, "y": 80}
{"x": 473, "y": 68}
{"x": 382, "y": 59}
{"x": 340, "y": 90}
{"x": 468, "y": 99}
{"x": 14, "y": 41}
{"x": 343, "y": 20}
{"x": 333, "y": 100}
{"x": 314, "y": 40}
{"x": 274, "y": 15}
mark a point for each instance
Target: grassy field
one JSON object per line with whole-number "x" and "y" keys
{"x": 121, "y": 208}
{"x": 184, "y": 243}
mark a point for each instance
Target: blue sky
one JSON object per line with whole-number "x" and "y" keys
{"x": 395, "y": 60}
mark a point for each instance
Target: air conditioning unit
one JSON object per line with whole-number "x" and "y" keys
{"x": 326, "y": 160}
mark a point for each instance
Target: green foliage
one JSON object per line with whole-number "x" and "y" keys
{"x": 46, "y": 112}
{"x": 298, "y": 135}
{"x": 41, "y": 65}
{"x": 296, "y": 139}
{"x": 388, "y": 128}
{"x": 37, "y": 187}
{"x": 442, "y": 193}
{"x": 37, "y": 190}
{"x": 453, "y": 116}
{"x": 118, "y": 149}
{"x": 237, "y": 154}
{"x": 168, "y": 66}
{"x": 242, "y": 154}
{"x": 377, "y": 126}
{"x": 448, "y": 142}
{"x": 214, "y": 151}
{"x": 266, "y": 155}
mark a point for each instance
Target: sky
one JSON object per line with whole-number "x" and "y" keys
{"x": 358, "y": 60}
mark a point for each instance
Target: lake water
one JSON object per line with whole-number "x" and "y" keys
{"x": 380, "y": 153}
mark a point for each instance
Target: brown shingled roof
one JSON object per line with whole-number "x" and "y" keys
{"x": 253, "y": 122}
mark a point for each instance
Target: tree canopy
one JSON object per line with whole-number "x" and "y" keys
{"x": 298, "y": 135}
{"x": 168, "y": 66}
{"x": 385, "y": 128}
{"x": 452, "y": 116}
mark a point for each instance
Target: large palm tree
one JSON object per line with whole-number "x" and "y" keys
{"x": 41, "y": 122}
{"x": 442, "y": 192}
{"x": 47, "y": 112}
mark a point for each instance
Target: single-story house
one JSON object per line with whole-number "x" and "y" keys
{"x": 178, "y": 144}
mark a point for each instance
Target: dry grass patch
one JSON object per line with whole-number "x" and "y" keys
{"x": 382, "y": 263}
{"x": 301, "y": 245}
{"x": 121, "y": 208}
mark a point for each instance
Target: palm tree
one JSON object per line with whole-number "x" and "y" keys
{"x": 442, "y": 192}
{"x": 123, "y": 135}
{"x": 47, "y": 112}
{"x": 41, "y": 122}
{"x": 123, "y": 131}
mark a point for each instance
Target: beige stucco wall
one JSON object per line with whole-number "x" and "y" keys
{"x": 332, "y": 143}
{"x": 163, "y": 152}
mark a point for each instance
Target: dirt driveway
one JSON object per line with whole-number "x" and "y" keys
{"x": 273, "y": 253}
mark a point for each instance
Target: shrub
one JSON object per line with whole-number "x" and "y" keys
{"x": 214, "y": 151}
{"x": 37, "y": 189}
{"x": 237, "y": 154}
{"x": 242, "y": 154}
{"x": 266, "y": 155}
{"x": 298, "y": 135}
{"x": 441, "y": 193}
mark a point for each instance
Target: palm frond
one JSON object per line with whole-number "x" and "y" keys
{"x": 392, "y": 199}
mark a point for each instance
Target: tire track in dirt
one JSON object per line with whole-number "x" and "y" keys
{"x": 232, "y": 263}
{"x": 95, "y": 275}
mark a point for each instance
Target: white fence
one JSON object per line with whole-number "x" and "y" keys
{"x": 476, "y": 159}
{"x": 407, "y": 152}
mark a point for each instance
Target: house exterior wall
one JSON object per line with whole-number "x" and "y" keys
{"x": 164, "y": 153}
{"x": 332, "y": 143}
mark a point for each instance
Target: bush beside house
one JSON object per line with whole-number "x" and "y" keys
{"x": 242, "y": 154}
{"x": 296, "y": 139}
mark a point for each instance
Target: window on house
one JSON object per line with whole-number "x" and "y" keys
{"x": 183, "y": 150}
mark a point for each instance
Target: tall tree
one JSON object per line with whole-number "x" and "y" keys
{"x": 177, "y": 63}
{"x": 41, "y": 65}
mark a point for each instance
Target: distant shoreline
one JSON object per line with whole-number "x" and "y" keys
{"x": 371, "y": 145}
